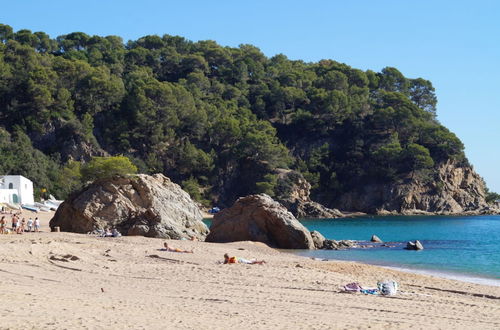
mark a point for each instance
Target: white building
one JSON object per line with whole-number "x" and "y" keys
{"x": 16, "y": 189}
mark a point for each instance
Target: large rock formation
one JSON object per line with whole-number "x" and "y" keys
{"x": 458, "y": 190}
{"x": 260, "y": 218}
{"x": 296, "y": 199}
{"x": 144, "y": 205}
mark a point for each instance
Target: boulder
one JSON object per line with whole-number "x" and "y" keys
{"x": 259, "y": 218}
{"x": 376, "y": 239}
{"x": 318, "y": 239}
{"x": 414, "y": 245}
{"x": 151, "y": 206}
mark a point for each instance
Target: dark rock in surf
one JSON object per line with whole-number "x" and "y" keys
{"x": 414, "y": 245}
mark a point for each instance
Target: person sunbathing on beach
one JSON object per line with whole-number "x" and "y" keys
{"x": 171, "y": 249}
{"x": 236, "y": 260}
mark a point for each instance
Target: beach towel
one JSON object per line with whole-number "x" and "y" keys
{"x": 387, "y": 288}
{"x": 352, "y": 287}
{"x": 370, "y": 291}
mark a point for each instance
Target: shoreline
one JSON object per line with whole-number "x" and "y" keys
{"x": 442, "y": 274}
{"x": 449, "y": 275}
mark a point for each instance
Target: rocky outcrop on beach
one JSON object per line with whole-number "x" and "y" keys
{"x": 259, "y": 218}
{"x": 145, "y": 205}
{"x": 297, "y": 197}
{"x": 457, "y": 190}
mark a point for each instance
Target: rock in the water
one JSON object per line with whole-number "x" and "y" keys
{"x": 260, "y": 218}
{"x": 318, "y": 238}
{"x": 338, "y": 245}
{"x": 376, "y": 239}
{"x": 151, "y": 206}
{"x": 414, "y": 245}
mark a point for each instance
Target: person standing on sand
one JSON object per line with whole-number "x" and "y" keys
{"x": 15, "y": 222}
{"x": 30, "y": 224}
{"x": 21, "y": 226}
{"x": 3, "y": 225}
{"x": 37, "y": 225}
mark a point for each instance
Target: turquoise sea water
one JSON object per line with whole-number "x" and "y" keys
{"x": 467, "y": 247}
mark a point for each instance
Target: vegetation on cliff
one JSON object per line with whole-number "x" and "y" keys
{"x": 218, "y": 120}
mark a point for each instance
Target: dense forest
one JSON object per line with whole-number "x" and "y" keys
{"x": 217, "y": 120}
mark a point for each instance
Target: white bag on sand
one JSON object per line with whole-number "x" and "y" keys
{"x": 387, "y": 288}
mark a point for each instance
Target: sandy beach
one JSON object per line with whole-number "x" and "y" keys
{"x": 73, "y": 281}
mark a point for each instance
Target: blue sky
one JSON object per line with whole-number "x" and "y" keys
{"x": 455, "y": 44}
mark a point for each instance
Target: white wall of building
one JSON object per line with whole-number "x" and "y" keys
{"x": 7, "y": 195}
{"x": 23, "y": 189}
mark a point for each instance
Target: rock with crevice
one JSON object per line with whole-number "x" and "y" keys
{"x": 145, "y": 205}
{"x": 259, "y": 218}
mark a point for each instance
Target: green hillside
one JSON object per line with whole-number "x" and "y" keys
{"x": 217, "y": 120}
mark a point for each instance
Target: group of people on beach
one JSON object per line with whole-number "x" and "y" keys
{"x": 19, "y": 225}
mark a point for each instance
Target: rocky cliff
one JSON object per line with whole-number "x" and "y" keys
{"x": 456, "y": 190}
{"x": 68, "y": 140}
{"x": 296, "y": 197}
{"x": 144, "y": 205}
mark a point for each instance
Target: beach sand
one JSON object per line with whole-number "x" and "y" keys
{"x": 72, "y": 281}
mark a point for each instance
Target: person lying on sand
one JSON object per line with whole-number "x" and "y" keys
{"x": 236, "y": 260}
{"x": 172, "y": 249}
